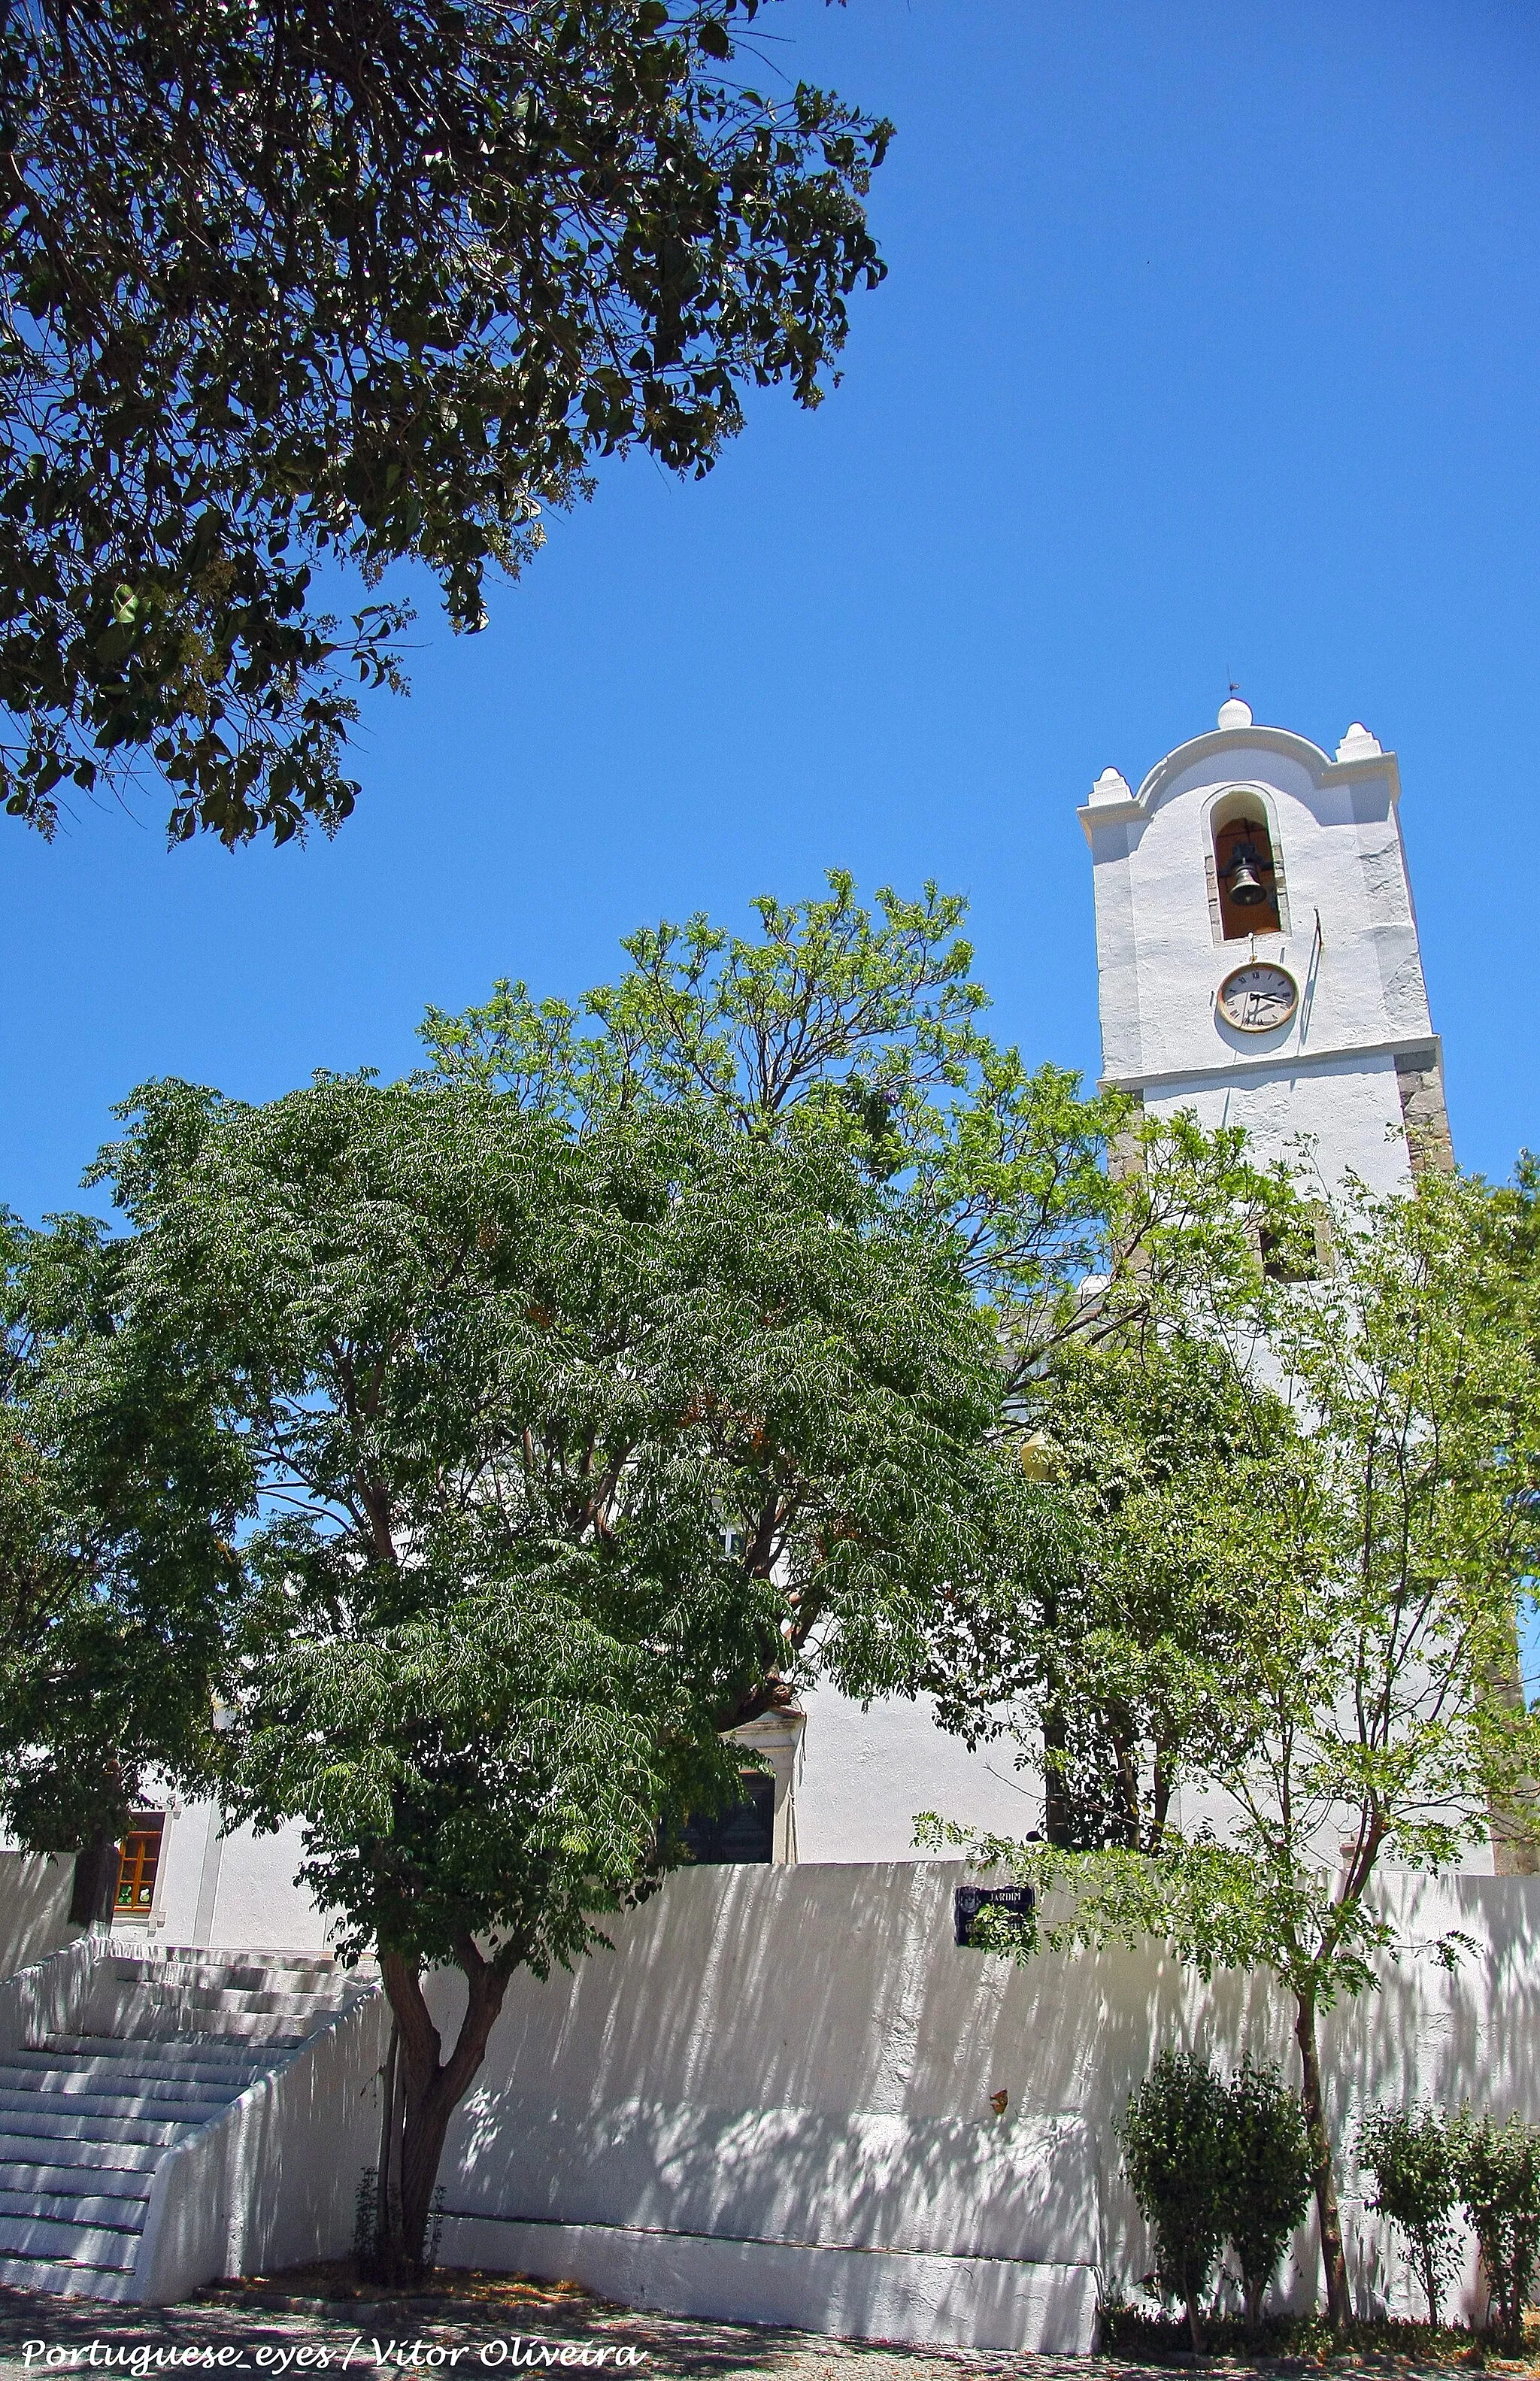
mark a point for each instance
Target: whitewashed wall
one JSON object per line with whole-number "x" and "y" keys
{"x": 804, "y": 2055}
{"x": 235, "y": 1893}
{"x": 865, "y": 1776}
{"x": 34, "y": 1908}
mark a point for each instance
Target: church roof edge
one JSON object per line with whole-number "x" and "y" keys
{"x": 1111, "y": 796}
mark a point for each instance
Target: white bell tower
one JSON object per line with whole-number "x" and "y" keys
{"x": 1257, "y": 949}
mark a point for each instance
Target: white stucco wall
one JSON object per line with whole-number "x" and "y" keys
{"x": 1350, "y": 1107}
{"x": 804, "y": 2055}
{"x": 228, "y": 1893}
{"x": 34, "y": 1908}
{"x": 867, "y": 1775}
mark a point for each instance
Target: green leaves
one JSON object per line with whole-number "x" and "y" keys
{"x": 1412, "y": 2154}
{"x": 1175, "y": 2137}
{"x": 1268, "y": 2175}
{"x": 863, "y": 1027}
{"x": 1213, "y": 2162}
{"x": 1498, "y": 2168}
{"x": 287, "y": 291}
{"x": 117, "y": 1584}
{"x": 565, "y": 1451}
{"x": 1301, "y": 1599}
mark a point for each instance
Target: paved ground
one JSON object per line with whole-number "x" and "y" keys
{"x": 473, "y": 2324}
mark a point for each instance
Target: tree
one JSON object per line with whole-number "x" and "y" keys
{"x": 293, "y": 287}
{"x": 1375, "y": 1565}
{"x": 559, "y": 1447}
{"x": 1411, "y": 2153}
{"x": 1071, "y": 1221}
{"x": 1174, "y": 2133}
{"x": 117, "y": 1586}
{"x": 1109, "y": 1650}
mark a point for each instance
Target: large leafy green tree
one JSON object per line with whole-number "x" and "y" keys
{"x": 296, "y": 286}
{"x": 1375, "y": 1552}
{"x": 1070, "y": 1221}
{"x": 117, "y": 1584}
{"x": 559, "y": 1448}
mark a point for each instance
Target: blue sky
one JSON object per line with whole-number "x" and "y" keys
{"x": 1209, "y": 349}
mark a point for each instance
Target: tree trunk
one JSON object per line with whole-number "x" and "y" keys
{"x": 426, "y": 2095}
{"x": 387, "y": 2192}
{"x": 93, "y": 1888}
{"x": 1338, "y": 2303}
{"x": 1194, "y": 2325}
{"x": 1058, "y": 1818}
{"x": 1253, "y": 2308}
{"x": 1430, "y": 2284}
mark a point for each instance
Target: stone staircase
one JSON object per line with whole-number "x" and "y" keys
{"x": 168, "y": 2039}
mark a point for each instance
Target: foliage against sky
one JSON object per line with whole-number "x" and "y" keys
{"x": 294, "y": 286}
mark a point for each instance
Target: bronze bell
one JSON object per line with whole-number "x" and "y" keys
{"x": 1246, "y": 888}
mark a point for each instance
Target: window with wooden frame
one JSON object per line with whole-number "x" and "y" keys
{"x": 138, "y": 1864}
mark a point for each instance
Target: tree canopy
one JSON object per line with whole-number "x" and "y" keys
{"x": 559, "y": 1449}
{"x": 119, "y": 1588}
{"x": 588, "y": 1396}
{"x": 1068, "y": 1217}
{"x": 294, "y": 287}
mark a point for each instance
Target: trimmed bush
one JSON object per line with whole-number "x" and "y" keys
{"x": 1174, "y": 2135}
{"x": 1497, "y": 2170}
{"x": 1267, "y": 2176}
{"x": 1411, "y": 2153}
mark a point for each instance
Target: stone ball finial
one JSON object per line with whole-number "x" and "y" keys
{"x": 1234, "y": 713}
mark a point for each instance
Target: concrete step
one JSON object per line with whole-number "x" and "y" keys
{"x": 139, "y": 2013}
{"x": 206, "y": 2062}
{"x": 220, "y": 1994}
{"x": 65, "y": 2279}
{"x": 275, "y": 2034}
{"x": 227, "y": 1975}
{"x": 59, "y": 2177}
{"x": 300, "y": 1972}
{"x": 160, "y": 2105}
{"x": 82, "y": 2207}
{"x": 77, "y": 2244}
{"x": 51, "y": 2123}
{"x": 71, "y": 2077}
{"x": 43, "y": 2148}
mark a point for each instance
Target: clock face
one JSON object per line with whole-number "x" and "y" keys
{"x": 1259, "y": 998}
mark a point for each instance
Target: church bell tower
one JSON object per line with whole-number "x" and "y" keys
{"x": 1257, "y": 949}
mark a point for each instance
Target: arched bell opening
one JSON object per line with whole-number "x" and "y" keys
{"x": 1246, "y": 871}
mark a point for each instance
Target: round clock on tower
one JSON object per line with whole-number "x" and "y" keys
{"x": 1257, "y": 949}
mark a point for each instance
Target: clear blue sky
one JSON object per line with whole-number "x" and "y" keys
{"x": 1209, "y": 346}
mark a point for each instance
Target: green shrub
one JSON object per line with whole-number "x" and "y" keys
{"x": 1267, "y": 2176}
{"x": 1411, "y": 2153}
{"x": 1497, "y": 2170}
{"x": 1174, "y": 2135}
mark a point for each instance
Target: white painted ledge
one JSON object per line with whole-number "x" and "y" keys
{"x": 995, "y": 2302}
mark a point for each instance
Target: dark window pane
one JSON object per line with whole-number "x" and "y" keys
{"x": 745, "y": 1833}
